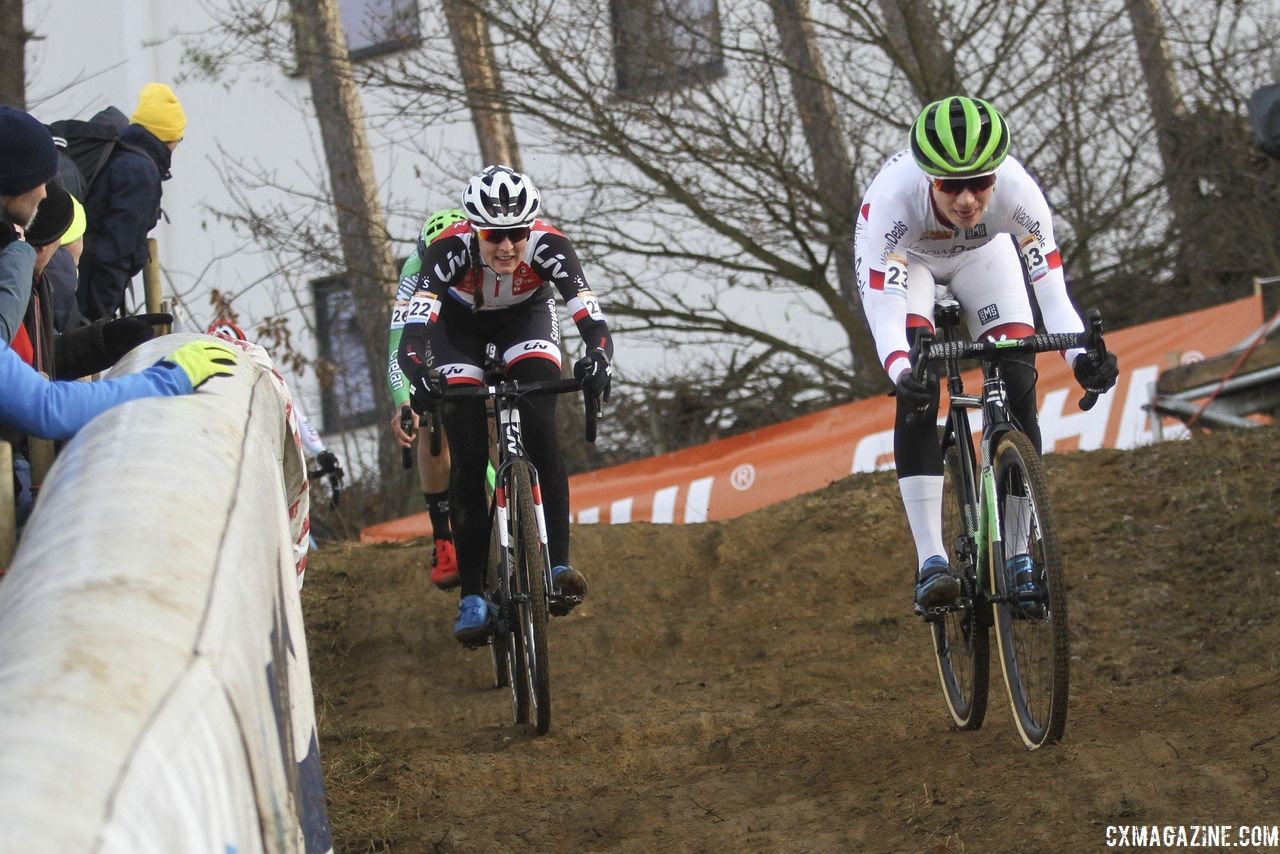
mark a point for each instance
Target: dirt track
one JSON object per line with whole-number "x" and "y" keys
{"x": 761, "y": 684}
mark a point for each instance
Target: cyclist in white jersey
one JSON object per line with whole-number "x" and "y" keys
{"x": 954, "y": 209}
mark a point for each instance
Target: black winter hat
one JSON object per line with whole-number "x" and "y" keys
{"x": 28, "y": 157}
{"x": 53, "y": 217}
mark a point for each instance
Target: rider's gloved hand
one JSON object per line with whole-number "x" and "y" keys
{"x": 426, "y": 391}
{"x": 914, "y": 393}
{"x": 595, "y": 373}
{"x": 201, "y": 361}
{"x": 1096, "y": 376}
{"x": 123, "y": 334}
{"x": 328, "y": 463}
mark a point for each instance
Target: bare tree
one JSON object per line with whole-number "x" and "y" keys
{"x": 1170, "y": 117}
{"x": 13, "y": 49}
{"x": 366, "y": 245}
{"x": 832, "y": 171}
{"x": 704, "y": 156}
{"x": 913, "y": 33}
{"x": 483, "y": 83}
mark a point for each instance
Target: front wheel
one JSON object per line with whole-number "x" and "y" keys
{"x": 530, "y": 594}
{"x": 498, "y": 652}
{"x": 960, "y": 638}
{"x": 1030, "y": 594}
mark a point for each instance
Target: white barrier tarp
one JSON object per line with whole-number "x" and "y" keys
{"x": 154, "y": 687}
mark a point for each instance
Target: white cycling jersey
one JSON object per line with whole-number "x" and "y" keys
{"x": 903, "y": 246}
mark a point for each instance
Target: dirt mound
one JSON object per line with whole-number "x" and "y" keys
{"x": 761, "y": 684}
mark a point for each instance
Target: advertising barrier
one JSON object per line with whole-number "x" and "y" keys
{"x": 155, "y": 694}
{"x": 730, "y": 477}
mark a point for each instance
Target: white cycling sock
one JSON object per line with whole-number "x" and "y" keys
{"x": 922, "y": 498}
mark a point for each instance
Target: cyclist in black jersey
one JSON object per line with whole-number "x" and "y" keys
{"x": 492, "y": 280}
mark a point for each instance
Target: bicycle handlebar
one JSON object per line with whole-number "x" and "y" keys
{"x": 1040, "y": 343}
{"x": 518, "y": 389}
{"x": 926, "y": 349}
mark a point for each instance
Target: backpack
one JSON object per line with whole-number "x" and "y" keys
{"x": 85, "y": 147}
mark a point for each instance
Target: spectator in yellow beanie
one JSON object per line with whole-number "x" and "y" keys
{"x": 158, "y": 111}
{"x": 123, "y": 207}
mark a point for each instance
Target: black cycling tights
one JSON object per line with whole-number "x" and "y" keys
{"x": 466, "y": 427}
{"x": 915, "y": 446}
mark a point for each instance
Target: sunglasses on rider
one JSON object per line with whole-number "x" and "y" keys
{"x": 956, "y": 186}
{"x": 497, "y": 235}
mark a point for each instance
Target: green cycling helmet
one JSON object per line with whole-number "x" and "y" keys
{"x": 439, "y": 221}
{"x": 959, "y": 137}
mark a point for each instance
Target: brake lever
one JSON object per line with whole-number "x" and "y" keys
{"x": 1096, "y": 350}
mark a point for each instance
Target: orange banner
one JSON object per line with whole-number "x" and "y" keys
{"x": 730, "y": 477}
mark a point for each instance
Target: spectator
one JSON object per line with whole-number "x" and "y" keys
{"x": 123, "y": 203}
{"x": 28, "y": 159}
{"x": 57, "y": 410}
{"x": 1264, "y": 113}
{"x": 80, "y": 350}
{"x": 62, "y": 273}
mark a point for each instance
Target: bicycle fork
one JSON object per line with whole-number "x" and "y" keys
{"x": 509, "y": 424}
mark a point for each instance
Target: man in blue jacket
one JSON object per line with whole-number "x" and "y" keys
{"x": 123, "y": 202}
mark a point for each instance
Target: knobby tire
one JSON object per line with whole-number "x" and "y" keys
{"x": 1032, "y": 636}
{"x": 531, "y": 611}
{"x": 498, "y": 647}
{"x": 960, "y": 637}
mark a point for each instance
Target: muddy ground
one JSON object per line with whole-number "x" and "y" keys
{"x": 761, "y": 684}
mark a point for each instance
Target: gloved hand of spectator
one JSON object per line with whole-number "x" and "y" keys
{"x": 201, "y": 361}
{"x": 914, "y": 393}
{"x": 328, "y": 463}
{"x": 122, "y": 335}
{"x": 1097, "y": 377}
{"x": 595, "y": 373}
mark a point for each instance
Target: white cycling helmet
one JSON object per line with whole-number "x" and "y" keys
{"x": 500, "y": 197}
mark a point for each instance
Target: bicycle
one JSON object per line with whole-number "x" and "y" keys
{"x": 518, "y": 570}
{"x": 998, "y": 511}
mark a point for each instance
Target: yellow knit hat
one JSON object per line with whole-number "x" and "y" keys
{"x": 78, "y": 222}
{"x": 158, "y": 111}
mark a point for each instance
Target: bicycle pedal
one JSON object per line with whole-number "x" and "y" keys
{"x": 931, "y": 615}
{"x": 559, "y": 605}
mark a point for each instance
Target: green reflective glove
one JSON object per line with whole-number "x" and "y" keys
{"x": 203, "y": 360}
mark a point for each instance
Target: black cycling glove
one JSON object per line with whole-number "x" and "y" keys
{"x": 328, "y": 463}
{"x": 914, "y": 393}
{"x": 1097, "y": 377}
{"x": 596, "y": 373}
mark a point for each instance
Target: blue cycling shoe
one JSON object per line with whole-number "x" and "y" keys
{"x": 1027, "y": 590}
{"x": 568, "y": 587}
{"x": 472, "y": 626}
{"x": 936, "y": 587}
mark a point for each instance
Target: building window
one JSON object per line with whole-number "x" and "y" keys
{"x": 665, "y": 44}
{"x": 375, "y": 27}
{"x": 346, "y": 400}
{"x": 372, "y": 28}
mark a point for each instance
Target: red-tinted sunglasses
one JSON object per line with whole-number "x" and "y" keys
{"x": 956, "y": 186}
{"x": 497, "y": 235}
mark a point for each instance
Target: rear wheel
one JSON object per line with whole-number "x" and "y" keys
{"x": 960, "y": 639}
{"x": 529, "y": 587}
{"x": 1031, "y": 625}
